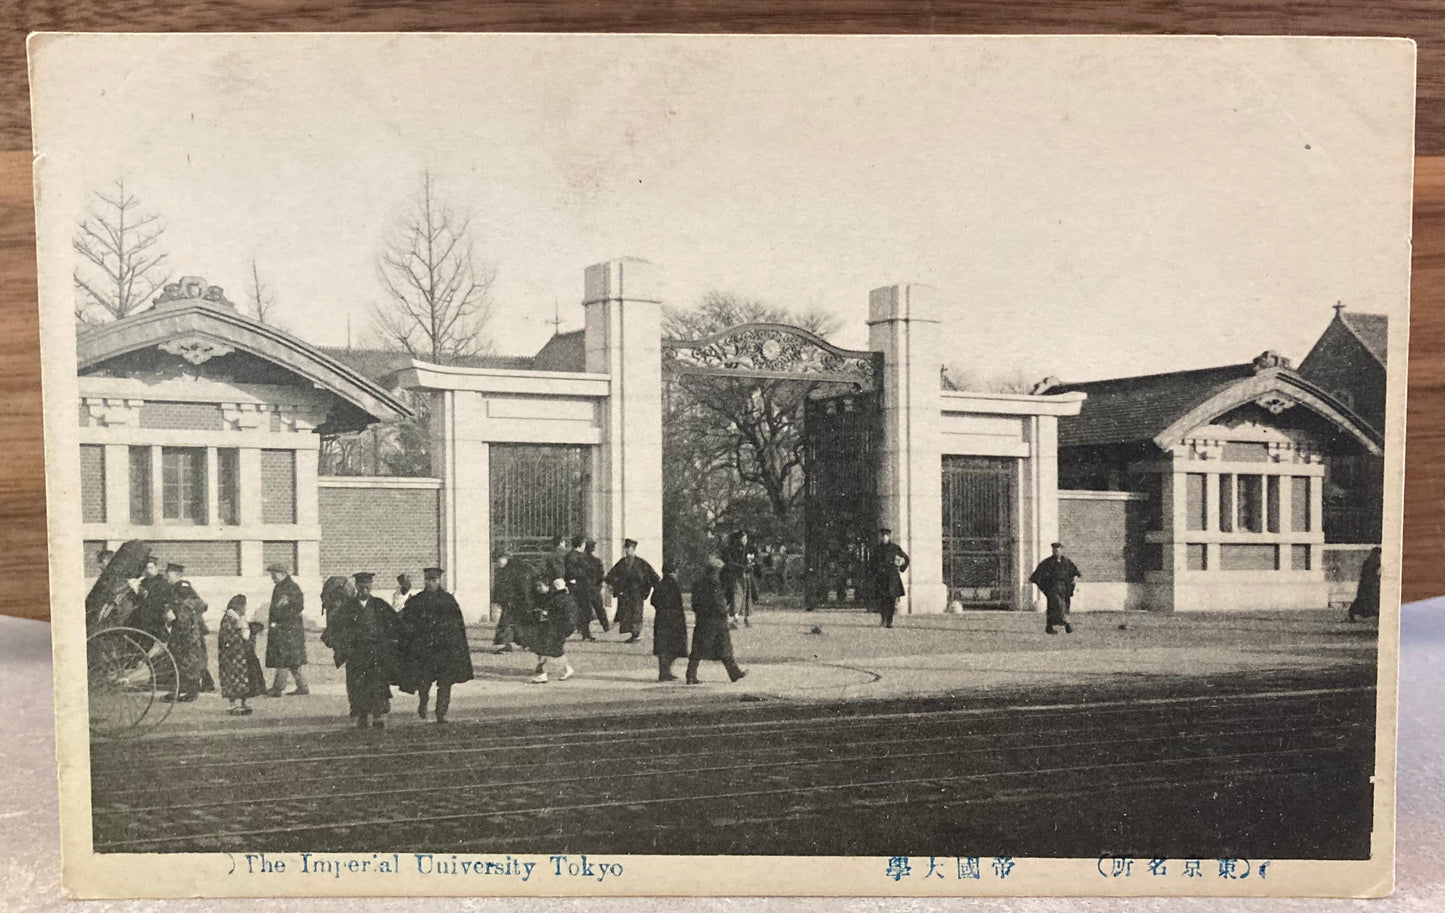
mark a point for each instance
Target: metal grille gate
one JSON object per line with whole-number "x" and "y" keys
{"x": 980, "y": 529}
{"x": 539, "y": 491}
{"x": 842, "y": 436}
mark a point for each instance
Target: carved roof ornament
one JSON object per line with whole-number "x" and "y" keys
{"x": 770, "y": 350}
{"x": 1275, "y": 402}
{"x": 192, "y": 288}
{"x": 1270, "y": 359}
{"x": 196, "y": 349}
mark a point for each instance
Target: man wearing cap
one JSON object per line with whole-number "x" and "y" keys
{"x": 184, "y": 637}
{"x": 1055, "y": 578}
{"x": 889, "y": 563}
{"x": 631, "y": 580}
{"x": 363, "y": 638}
{"x": 286, "y": 633}
{"x": 435, "y": 651}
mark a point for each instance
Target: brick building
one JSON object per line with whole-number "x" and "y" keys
{"x": 1204, "y": 489}
{"x": 200, "y": 430}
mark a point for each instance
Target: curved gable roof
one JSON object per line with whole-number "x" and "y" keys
{"x": 198, "y": 320}
{"x": 1160, "y": 409}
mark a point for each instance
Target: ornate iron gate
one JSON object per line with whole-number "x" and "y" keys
{"x": 980, "y": 529}
{"x": 842, "y": 434}
{"x": 841, "y": 438}
{"x": 539, "y": 491}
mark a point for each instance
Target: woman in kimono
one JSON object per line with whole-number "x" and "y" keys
{"x": 184, "y": 641}
{"x": 711, "y": 637}
{"x": 241, "y": 676}
{"x": 555, "y": 621}
{"x": 669, "y": 624}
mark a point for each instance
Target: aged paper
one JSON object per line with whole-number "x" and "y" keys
{"x": 715, "y": 465}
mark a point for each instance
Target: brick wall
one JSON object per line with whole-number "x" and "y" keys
{"x": 181, "y": 416}
{"x": 386, "y": 531}
{"x": 92, "y": 483}
{"x": 282, "y": 553}
{"x": 201, "y": 559}
{"x": 278, "y": 486}
{"x": 1105, "y": 538}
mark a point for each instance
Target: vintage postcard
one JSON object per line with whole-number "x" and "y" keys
{"x": 664, "y": 465}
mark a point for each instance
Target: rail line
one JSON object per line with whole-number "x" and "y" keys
{"x": 732, "y": 796}
{"x": 892, "y": 756}
{"x": 491, "y": 742}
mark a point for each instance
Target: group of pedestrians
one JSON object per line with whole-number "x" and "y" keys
{"x": 543, "y": 605}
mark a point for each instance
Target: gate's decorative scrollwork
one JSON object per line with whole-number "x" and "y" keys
{"x": 771, "y": 350}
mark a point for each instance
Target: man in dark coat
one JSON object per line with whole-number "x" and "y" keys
{"x": 737, "y": 578}
{"x": 434, "y": 651}
{"x": 594, "y": 592}
{"x": 578, "y": 574}
{"x": 889, "y": 563}
{"x": 1055, "y": 578}
{"x": 511, "y": 589}
{"x": 286, "y": 633}
{"x": 1367, "y": 596}
{"x": 152, "y": 601}
{"x": 185, "y": 608}
{"x": 711, "y": 637}
{"x": 631, "y": 580}
{"x": 363, "y": 636}
{"x": 669, "y": 624}
{"x": 555, "y": 562}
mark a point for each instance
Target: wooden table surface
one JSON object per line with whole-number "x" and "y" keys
{"x": 22, "y": 489}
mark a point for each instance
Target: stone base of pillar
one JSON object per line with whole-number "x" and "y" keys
{"x": 925, "y": 599}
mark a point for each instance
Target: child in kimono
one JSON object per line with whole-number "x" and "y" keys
{"x": 241, "y": 675}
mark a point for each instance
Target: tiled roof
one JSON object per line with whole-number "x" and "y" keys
{"x": 563, "y": 352}
{"x": 380, "y": 363}
{"x": 1373, "y": 330}
{"x": 1136, "y": 409}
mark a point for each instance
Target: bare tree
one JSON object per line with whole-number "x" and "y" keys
{"x": 438, "y": 299}
{"x": 121, "y": 266}
{"x": 734, "y": 451}
{"x": 263, "y": 298}
{"x": 963, "y": 377}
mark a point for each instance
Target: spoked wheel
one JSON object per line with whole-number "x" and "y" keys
{"x": 132, "y": 682}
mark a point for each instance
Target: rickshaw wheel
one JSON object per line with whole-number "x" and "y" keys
{"x": 130, "y": 673}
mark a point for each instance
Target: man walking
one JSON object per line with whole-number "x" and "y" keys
{"x": 578, "y": 571}
{"x": 286, "y": 633}
{"x": 184, "y": 637}
{"x": 363, "y": 636}
{"x": 153, "y": 601}
{"x": 1055, "y": 578}
{"x": 889, "y": 563}
{"x": 594, "y": 591}
{"x": 511, "y": 589}
{"x": 631, "y": 580}
{"x": 435, "y": 637}
{"x": 711, "y": 635}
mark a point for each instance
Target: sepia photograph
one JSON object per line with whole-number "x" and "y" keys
{"x": 550, "y": 464}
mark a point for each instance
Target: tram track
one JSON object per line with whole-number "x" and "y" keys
{"x": 1041, "y": 778}
{"x": 795, "y": 751}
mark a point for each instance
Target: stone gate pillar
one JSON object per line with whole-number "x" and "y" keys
{"x": 624, "y": 341}
{"x": 904, "y": 324}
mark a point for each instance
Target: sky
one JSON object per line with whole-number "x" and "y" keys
{"x": 1085, "y": 207}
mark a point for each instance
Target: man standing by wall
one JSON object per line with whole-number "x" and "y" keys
{"x": 1055, "y": 578}
{"x": 889, "y": 563}
{"x": 286, "y": 633}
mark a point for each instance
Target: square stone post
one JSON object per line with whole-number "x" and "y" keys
{"x": 903, "y": 324}
{"x": 623, "y": 339}
{"x": 462, "y": 461}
